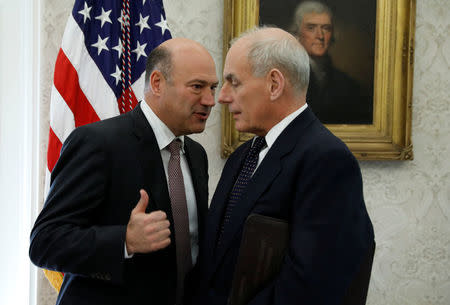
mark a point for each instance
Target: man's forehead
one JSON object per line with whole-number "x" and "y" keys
{"x": 204, "y": 79}
{"x": 232, "y": 68}
{"x": 193, "y": 74}
{"x": 238, "y": 53}
{"x": 315, "y": 18}
{"x": 199, "y": 66}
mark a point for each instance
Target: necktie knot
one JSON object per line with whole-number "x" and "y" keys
{"x": 259, "y": 144}
{"x": 175, "y": 146}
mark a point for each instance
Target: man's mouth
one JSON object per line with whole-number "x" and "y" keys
{"x": 235, "y": 114}
{"x": 201, "y": 115}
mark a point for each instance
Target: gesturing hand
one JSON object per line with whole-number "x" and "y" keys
{"x": 146, "y": 232}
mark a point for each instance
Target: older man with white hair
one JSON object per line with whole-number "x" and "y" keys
{"x": 294, "y": 169}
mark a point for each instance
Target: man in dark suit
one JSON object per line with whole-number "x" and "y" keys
{"x": 304, "y": 174}
{"x": 111, "y": 250}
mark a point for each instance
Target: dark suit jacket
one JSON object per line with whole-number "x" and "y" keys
{"x": 311, "y": 179}
{"x": 95, "y": 185}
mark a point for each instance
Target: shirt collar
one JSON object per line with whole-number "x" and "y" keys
{"x": 164, "y": 136}
{"x": 276, "y": 130}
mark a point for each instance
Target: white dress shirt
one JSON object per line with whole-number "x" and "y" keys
{"x": 276, "y": 130}
{"x": 164, "y": 136}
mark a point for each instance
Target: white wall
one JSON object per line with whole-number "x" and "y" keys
{"x": 18, "y": 147}
{"x": 409, "y": 202}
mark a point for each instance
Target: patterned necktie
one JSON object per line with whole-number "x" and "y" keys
{"x": 244, "y": 177}
{"x": 180, "y": 217}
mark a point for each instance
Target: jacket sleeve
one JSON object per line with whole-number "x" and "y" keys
{"x": 330, "y": 233}
{"x": 67, "y": 235}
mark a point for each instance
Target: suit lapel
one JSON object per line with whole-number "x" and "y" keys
{"x": 199, "y": 179}
{"x": 218, "y": 204}
{"x": 261, "y": 180}
{"x": 149, "y": 156}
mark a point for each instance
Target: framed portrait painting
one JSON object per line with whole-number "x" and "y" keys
{"x": 361, "y": 66}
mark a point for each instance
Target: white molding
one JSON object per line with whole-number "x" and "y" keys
{"x": 19, "y": 149}
{"x": 32, "y": 39}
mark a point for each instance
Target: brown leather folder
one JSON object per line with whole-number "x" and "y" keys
{"x": 263, "y": 246}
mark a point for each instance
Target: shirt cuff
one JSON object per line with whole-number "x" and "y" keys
{"x": 125, "y": 251}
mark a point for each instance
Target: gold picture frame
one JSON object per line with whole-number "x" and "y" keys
{"x": 389, "y": 136}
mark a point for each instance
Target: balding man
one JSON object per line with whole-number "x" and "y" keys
{"x": 294, "y": 169}
{"x": 112, "y": 250}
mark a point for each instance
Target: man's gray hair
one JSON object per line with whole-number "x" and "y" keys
{"x": 308, "y": 7}
{"x": 284, "y": 54}
{"x": 159, "y": 59}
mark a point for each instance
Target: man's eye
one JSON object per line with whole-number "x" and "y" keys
{"x": 230, "y": 81}
{"x": 197, "y": 86}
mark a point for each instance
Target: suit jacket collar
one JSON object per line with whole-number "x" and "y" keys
{"x": 164, "y": 136}
{"x": 261, "y": 180}
{"x": 149, "y": 156}
{"x": 199, "y": 176}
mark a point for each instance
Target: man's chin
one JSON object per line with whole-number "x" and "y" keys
{"x": 197, "y": 129}
{"x": 319, "y": 53}
{"x": 240, "y": 127}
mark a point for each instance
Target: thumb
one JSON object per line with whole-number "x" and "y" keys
{"x": 142, "y": 203}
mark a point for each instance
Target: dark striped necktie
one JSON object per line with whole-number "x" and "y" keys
{"x": 244, "y": 177}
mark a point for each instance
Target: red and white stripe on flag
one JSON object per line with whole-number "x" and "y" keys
{"x": 99, "y": 71}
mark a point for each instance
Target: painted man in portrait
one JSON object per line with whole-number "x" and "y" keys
{"x": 334, "y": 96}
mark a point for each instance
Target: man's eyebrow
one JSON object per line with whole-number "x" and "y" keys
{"x": 230, "y": 77}
{"x": 202, "y": 81}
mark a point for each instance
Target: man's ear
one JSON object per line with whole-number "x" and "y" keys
{"x": 157, "y": 81}
{"x": 276, "y": 83}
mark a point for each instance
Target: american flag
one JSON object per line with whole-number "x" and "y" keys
{"x": 99, "y": 71}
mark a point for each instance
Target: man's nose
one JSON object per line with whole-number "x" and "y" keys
{"x": 224, "y": 96}
{"x": 208, "y": 98}
{"x": 319, "y": 33}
